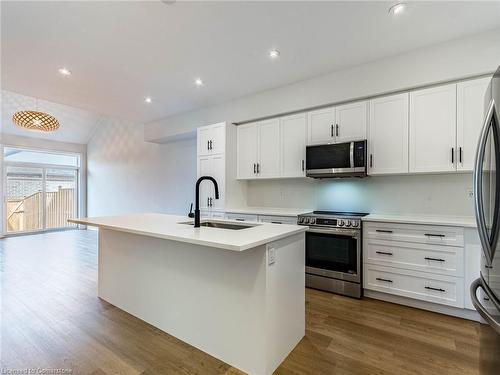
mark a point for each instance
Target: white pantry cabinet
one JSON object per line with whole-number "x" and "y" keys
{"x": 344, "y": 123}
{"x": 293, "y": 145}
{"x": 473, "y": 97}
{"x": 351, "y": 121}
{"x": 211, "y": 139}
{"x": 433, "y": 129}
{"x": 212, "y": 165}
{"x": 259, "y": 150}
{"x": 388, "y": 135}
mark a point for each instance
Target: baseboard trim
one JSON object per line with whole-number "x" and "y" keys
{"x": 441, "y": 309}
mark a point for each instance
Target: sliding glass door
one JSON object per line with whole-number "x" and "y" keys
{"x": 39, "y": 196}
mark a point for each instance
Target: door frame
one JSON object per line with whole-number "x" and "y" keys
{"x": 44, "y": 167}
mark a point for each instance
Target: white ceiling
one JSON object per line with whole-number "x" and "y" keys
{"x": 120, "y": 52}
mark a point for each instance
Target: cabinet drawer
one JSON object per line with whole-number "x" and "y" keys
{"x": 437, "y": 259}
{"x": 429, "y": 234}
{"x": 241, "y": 217}
{"x": 277, "y": 219}
{"x": 446, "y": 290}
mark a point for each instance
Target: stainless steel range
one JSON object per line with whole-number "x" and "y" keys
{"x": 333, "y": 251}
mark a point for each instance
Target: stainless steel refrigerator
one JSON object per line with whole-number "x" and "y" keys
{"x": 485, "y": 291}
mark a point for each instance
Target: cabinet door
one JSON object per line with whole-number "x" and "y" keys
{"x": 351, "y": 121}
{"x": 203, "y": 136}
{"x": 218, "y": 172}
{"x": 218, "y": 138}
{"x": 472, "y": 101}
{"x": 206, "y": 187}
{"x": 388, "y": 135}
{"x": 433, "y": 129}
{"x": 321, "y": 126}
{"x": 247, "y": 147}
{"x": 269, "y": 149}
{"x": 293, "y": 145}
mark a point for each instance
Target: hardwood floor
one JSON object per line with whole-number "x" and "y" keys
{"x": 52, "y": 318}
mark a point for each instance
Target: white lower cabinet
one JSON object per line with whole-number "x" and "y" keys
{"x": 277, "y": 219}
{"x": 241, "y": 217}
{"x": 431, "y": 263}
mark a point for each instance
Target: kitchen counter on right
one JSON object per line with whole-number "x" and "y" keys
{"x": 449, "y": 220}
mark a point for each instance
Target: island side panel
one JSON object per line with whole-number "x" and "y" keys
{"x": 285, "y": 300}
{"x": 211, "y": 298}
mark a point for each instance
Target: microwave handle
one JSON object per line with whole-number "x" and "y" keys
{"x": 352, "y": 154}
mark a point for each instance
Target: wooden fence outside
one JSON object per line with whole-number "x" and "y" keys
{"x": 26, "y": 214}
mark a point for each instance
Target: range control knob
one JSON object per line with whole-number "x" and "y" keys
{"x": 300, "y": 220}
{"x": 306, "y": 220}
{"x": 355, "y": 224}
{"x": 348, "y": 223}
{"x": 341, "y": 223}
{"x": 312, "y": 221}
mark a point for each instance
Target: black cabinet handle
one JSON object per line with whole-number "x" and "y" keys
{"x": 435, "y": 259}
{"x": 258, "y": 168}
{"x": 453, "y": 155}
{"x": 386, "y": 280}
{"x": 337, "y": 130}
{"x": 435, "y": 235}
{"x": 331, "y": 130}
{"x": 276, "y": 222}
{"x": 383, "y": 231}
{"x": 302, "y": 165}
{"x": 436, "y": 289}
{"x": 254, "y": 168}
{"x": 208, "y": 145}
{"x": 371, "y": 160}
{"x": 384, "y": 253}
{"x": 208, "y": 202}
{"x": 238, "y": 219}
{"x": 460, "y": 155}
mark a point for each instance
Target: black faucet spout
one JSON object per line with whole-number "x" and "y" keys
{"x": 197, "y": 198}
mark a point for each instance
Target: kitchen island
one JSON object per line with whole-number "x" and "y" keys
{"x": 236, "y": 294}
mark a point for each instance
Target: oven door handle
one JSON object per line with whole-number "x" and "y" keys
{"x": 340, "y": 232}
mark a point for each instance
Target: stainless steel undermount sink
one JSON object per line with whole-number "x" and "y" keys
{"x": 221, "y": 225}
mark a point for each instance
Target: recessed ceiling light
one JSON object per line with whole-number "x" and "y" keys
{"x": 198, "y": 82}
{"x": 397, "y": 9}
{"x": 64, "y": 71}
{"x": 274, "y": 54}
{"x": 148, "y": 99}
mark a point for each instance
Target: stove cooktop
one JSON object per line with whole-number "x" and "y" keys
{"x": 339, "y": 213}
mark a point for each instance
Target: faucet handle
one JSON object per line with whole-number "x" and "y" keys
{"x": 191, "y": 214}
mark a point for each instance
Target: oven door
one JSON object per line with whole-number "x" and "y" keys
{"x": 334, "y": 253}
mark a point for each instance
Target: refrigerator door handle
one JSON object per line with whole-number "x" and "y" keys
{"x": 476, "y": 284}
{"x": 478, "y": 183}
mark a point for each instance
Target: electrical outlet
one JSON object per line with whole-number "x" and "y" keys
{"x": 271, "y": 256}
{"x": 470, "y": 193}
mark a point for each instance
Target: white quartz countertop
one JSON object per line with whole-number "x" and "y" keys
{"x": 457, "y": 221}
{"x": 168, "y": 227}
{"x": 271, "y": 211}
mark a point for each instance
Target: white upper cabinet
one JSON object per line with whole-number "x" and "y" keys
{"x": 433, "y": 129}
{"x": 321, "y": 125}
{"x": 268, "y": 164}
{"x": 473, "y": 97}
{"x": 388, "y": 135}
{"x": 247, "y": 154}
{"x": 293, "y": 145}
{"x": 211, "y": 139}
{"x": 351, "y": 122}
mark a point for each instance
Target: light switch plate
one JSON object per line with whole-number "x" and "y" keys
{"x": 271, "y": 256}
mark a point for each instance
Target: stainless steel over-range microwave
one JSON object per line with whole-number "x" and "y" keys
{"x": 336, "y": 160}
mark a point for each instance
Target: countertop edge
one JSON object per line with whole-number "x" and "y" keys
{"x": 455, "y": 221}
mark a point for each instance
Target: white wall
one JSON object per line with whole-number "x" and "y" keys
{"x": 430, "y": 194}
{"x": 127, "y": 175}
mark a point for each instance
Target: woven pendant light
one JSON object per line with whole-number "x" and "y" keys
{"x": 34, "y": 120}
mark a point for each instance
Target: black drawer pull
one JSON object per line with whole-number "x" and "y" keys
{"x": 383, "y": 231}
{"x": 238, "y": 219}
{"x": 435, "y": 259}
{"x": 436, "y": 289}
{"x": 386, "y": 280}
{"x": 276, "y": 222}
{"x": 435, "y": 235}
{"x": 384, "y": 252}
